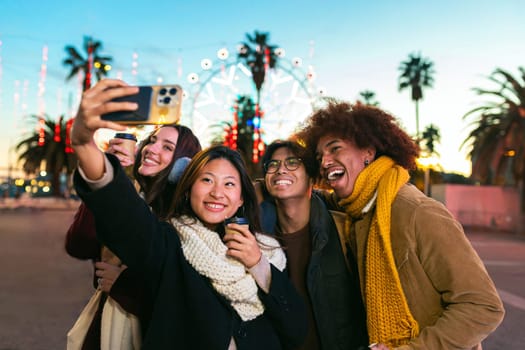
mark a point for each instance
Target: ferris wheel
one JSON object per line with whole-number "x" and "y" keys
{"x": 287, "y": 96}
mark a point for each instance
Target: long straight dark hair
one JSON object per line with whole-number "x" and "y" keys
{"x": 181, "y": 205}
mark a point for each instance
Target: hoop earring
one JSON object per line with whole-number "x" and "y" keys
{"x": 367, "y": 162}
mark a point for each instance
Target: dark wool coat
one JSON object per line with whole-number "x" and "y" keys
{"x": 187, "y": 313}
{"x": 334, "y": 290}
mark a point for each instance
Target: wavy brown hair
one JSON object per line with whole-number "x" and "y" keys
{"x": 158, "y": 191}
{"x": 366, "y": 126}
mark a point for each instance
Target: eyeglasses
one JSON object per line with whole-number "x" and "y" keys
{"x": 291, "y": 163}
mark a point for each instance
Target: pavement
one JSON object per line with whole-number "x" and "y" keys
{"x": 44, "y": 203}
{"x": 503, "y": 254}
{"x": 42, "y": 289}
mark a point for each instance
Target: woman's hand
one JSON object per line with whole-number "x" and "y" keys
{"x": 125, "y": 157}
{"x": 107, "y": 274}
{"x": 95, "y": 102}
{"x": 242, "y": 245}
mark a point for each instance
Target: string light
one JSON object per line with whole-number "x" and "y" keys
{"x": 223, "y": 54}
{"x": 58, "y": 128}
{"x": 235, "y": 125}
{"x": 42, "y": 82}
{"x": 266, "y": 58}
{"x": 16, "y": 98}
{"x": 258, "y": 145}
{"x": 1, "y": 74}
{"x": 41, "y": 132}
{"x": 232, "y": 132}
{"x": 206, "y": 64}
{"x": 135, "y": 66}
{"x": 80, "y": 87}
{"x": 69, "y": 123}
{"x": 25, "y": 91}
{"x": 41, "y": 100}
{"x": 89, "y": 65}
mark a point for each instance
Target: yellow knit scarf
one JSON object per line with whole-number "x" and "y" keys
{"x": 389, "y": 319}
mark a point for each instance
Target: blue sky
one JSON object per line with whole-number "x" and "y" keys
{"x": 350, "y": 45}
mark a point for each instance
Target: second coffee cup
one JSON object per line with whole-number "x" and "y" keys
{"x": 235, "y": 220}
{"x": 128, "y": 141}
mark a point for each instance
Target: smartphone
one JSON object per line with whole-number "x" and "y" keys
{"x": 158, "y": 104}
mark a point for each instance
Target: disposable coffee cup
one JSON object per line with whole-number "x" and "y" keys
{"x": 128, "y": 141}
{"x": 235, "y": 220}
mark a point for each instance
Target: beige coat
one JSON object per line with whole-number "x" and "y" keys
{"x": 447, "y": 287}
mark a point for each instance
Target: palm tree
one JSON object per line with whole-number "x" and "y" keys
{"x": 498, "y": 134}
{"x": 430, "y": 137}
{"x": 369, "y": 98}
{"x": 416, "y": 74}
{"x": 241, "y": 134}
{"x": 246, "y": 112}
{"x": 53, "y": 151}
{"x": 497, "y": 140}
{"x": 259, "y": 58}
{"x": 91, "y": 63}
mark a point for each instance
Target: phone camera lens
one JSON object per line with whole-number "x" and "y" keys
{"x": 163, "y": 91}
{"x": 166, "y": 100}
{"x": 173, "y": 91}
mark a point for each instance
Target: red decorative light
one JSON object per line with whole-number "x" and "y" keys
{"x": 232, "y": 132}
{"x": 69, "y": 123}
{"x": 267, "y": 58}
{"x": 89, "y": 65}
{"x": 57, "y": 137}
{"x": 41, "y": 132}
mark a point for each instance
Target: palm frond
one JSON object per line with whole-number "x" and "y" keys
{"x": 497, "y": 127}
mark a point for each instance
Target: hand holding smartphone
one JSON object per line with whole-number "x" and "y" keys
{"x": 158, "y": 104}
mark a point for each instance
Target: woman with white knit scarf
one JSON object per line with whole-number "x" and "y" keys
{"x": 206, "y": 289}
{"x": 423, "y": 285}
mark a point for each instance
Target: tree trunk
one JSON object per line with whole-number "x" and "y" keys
{"x": 417, "y": 120}
{"x": 55, "y": 184}
{"x": 520, "y": 227}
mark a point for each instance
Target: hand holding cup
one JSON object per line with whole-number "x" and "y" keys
{"x": 241, "y": 243}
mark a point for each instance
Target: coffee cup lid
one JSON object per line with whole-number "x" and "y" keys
{"x": 236, "y": 220}
{"x": 125, "y": 135}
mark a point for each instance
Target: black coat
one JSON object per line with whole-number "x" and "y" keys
{"x": 334, "y": 290}
{"x": 187, "y": 313}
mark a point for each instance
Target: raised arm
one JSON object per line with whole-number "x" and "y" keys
{"x": 95, "y": 102}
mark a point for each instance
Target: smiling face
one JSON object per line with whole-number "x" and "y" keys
{"x": 158, "y": 153}
{"x": 217, "y": 192}
{"x": 341, "y": 161}
{"x": 286, "y": 184}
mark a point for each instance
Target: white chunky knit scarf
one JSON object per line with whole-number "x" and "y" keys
{"x": 206, "y": 252}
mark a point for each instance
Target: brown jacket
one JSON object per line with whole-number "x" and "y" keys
{"x": 447, "y": 287}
